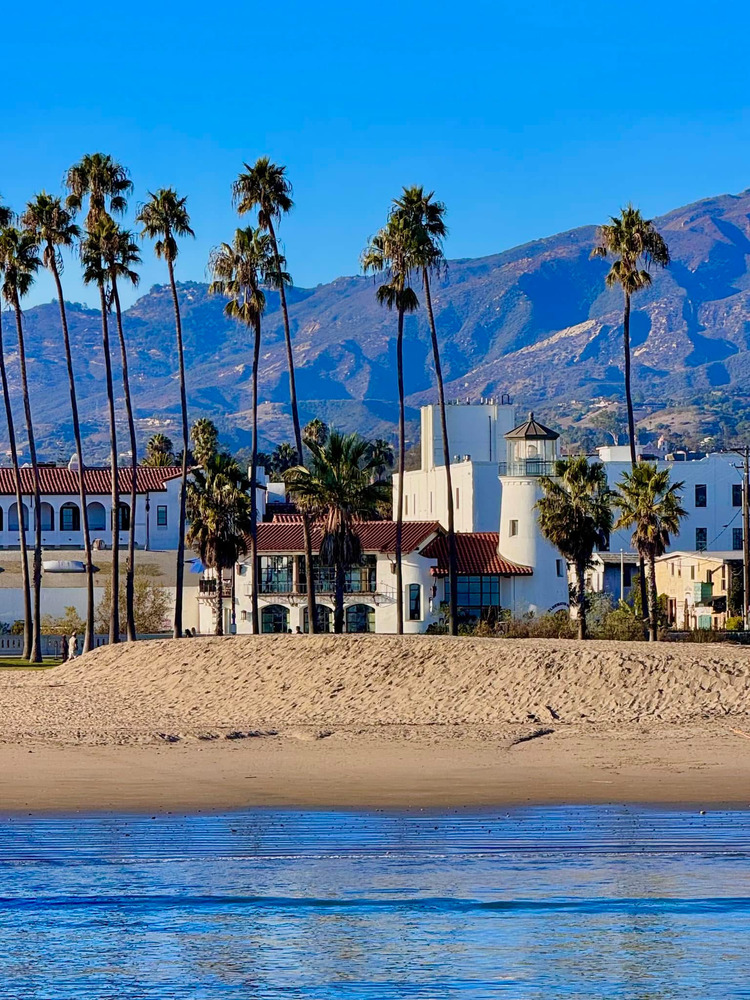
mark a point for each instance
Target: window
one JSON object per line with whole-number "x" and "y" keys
{"x": 604, "y": 542}
{"x": 97, "y": 516}
{"x": 13, "y": 517}
{"x": 478, "y": 597}
{"x": 47, "y": 517}
{"x": 70, "y": 517}
{"x": 737, "y": 539}
{"x": 701, "y": 539}
{"x": 700, "y": 495}
{"x": 276, "y": 575}
{"x": 671, "y": 567}
{"x": 406, "y": 505}
{"x": 123, "y": 518}
{"x": 415, "y": 602}
{"x": 360, "y": 618}
{"x": 274, "y": 618}
{"x": 560, "y": 567}
{"x": 323, "y": 619}
{"x": 736, "y": 494}
{"x": 1, "y": 518}
{"x": 161, "y": 516}
{"x": 692, "y": 572}
{"x": 513, "y": 529}
{"x": 627, "y": 574}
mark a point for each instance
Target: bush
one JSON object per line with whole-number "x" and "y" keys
{"x": 557, "y": 626}
{"x": 735, "y": 623}
{"x": 70, "y": 622}
{"x": 621, "y": 625}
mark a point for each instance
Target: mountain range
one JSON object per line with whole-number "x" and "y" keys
{"x": 535, "y": 322}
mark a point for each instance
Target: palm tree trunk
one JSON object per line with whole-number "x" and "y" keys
{"x": 653, "y": 599}
{"x": 88, "y": 640}
{"x": 581, "y": 600}
{"x": 338, "y": 603}
{"x": 130, "y": 564}
{"x": 114, "y": 607}
{"x": 27, "y": 620}
{"x": 306, "y": 528}
{"x": 219, "y": 629}
{"x": 631, "y": 428}
{"x": 177, "y": 629}
{"x": 401, "y": 458}
{"x": 452, "y": 553}
{"x": 36, "y": 635}
{"x": 253, "y": 488}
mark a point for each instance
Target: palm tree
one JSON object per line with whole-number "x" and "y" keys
{"x": 120, "y": 254}
{"x": 339, "y": 490}
{"x": 164, "y": 218}
{"x": 382, "y": 457}
{"x": 636, "y": 245}
{"x": 651, "y": 506}
{"x": 53, "y": 227}
{"x": 6, "y": 217}
{"x": 220, "y": 515}
{"x": 392, "y": 251}
{"x": 266, "y": 188}
{"x": 159, "y": 452}
{"x": 105, "y": 182}
{"x": 238, "y": 270}
{"x": 426, "y": 217}
{"x": 95, "y": 271}
{"x": 205, "y": 440}
{"x": 20, "y": 262}
{"x": 575, "y": 515}
{"x": 316, "y": 430}
{"x": 283, "y": 458}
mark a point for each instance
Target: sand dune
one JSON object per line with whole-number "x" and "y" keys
{"x": 192, "y": 687}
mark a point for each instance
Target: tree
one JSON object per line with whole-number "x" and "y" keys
{"x": 381, "y": 455}
{"x": 338, "y": 489}
{"x": 6, "y": 217}
{"x": 651, "y": 506}
{"x": 265, "y": 188}
{"x": 164, "y": 218}
{"x": 66, "y": 624}
{"x": 221, "y": 518}
{"x": 205, "y": 440}
{"x": 609, "y": 420}
{"x": 105, "y": 182}
{"x": 151, "y": 603}
{"x": 19, "y": 262}
{"x": 159, "y": 452}
{"x": 392, "y": 252}
{"x": 53, "y": 228}
{"x": 238, "y": 270}
{"x": 575, "y": 515}
{"x": 284, "y": 457}
{"x": 120, "y": 254}
{"x": 316, "y": 430}
{"x": 95, "y": 271}
{"x": 636, "y": 245}
{"x": 425, "y": 217}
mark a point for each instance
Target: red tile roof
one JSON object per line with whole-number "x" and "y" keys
{"x": 63, "y": 481}
{"x": 477, "y": 553}
{"x": 285, "y": 535}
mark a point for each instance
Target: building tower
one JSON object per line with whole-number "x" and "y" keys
{"x": 531, "y": 453}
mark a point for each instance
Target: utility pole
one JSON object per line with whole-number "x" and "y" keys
{"x": 745, "y": 452}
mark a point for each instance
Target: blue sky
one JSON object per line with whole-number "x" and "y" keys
{"x": 526, "y": 119}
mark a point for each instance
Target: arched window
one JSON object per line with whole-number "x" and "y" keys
{"x": 13, "y": 517}
{"x": 97, "y": 516}
{"x": 324, "y": 617}
{"x": 274, "y": 618}
{"x": 47, "y": 517}
{"x": 1, "y": 518}
{"x": 360, "y": 618}
{"x": 70, "y": 517}
{"x": 124, "y": 517}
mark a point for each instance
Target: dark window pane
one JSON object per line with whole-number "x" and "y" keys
{"x": 700, "y": 495}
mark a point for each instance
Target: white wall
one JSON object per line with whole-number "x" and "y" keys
{"x": 474, "y": 429}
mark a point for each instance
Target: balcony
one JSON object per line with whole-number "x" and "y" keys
{"x": 210, "y": 589}
{"x": 527, "y": 467}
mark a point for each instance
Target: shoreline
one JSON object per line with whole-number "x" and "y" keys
{"x": 698, "y": 765}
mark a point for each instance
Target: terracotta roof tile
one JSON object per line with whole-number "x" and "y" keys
{"x": 63, "y": 481}
{"x": 477, "y": 553}
{"x": 285, "y": 535}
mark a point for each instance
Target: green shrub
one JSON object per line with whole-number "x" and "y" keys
{"x": 735, "y": 623}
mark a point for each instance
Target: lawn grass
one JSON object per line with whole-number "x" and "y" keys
{"x": 17, "y": 662}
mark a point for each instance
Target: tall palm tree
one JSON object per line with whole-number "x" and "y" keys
{"x": 651, "y": 506}
{"x": 95, "y": 271}
{"x": 382, "y": 457}
{"x": 20, "y": 262}
{"x": 635, "y": 244}
{"x": 427, "y": 217}
{"x": 316, "y": 430}
{"x": 220, "y": 514}
{"x": 103, "y": 180}
{"x": 284, "y": 457}
{"x": 575, "y": 515}
{"x": 165, "y": 218}
{"x": 121, "y": 254}
{"x": 6, "y": 217}
{"x": 159, "y": 452}
{"x": 53, "y": 227}
{"x": 237, "y": 271}
{"x": 339, "y": 489}
{"x": 266, "y": 188}
{"x": 205, "y": 440}
{"x": 393, "y": 251}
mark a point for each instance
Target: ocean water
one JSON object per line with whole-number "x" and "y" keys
{"x": 591, "y": 902}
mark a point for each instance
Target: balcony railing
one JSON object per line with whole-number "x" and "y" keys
{"x": 527, "y": 467}
{"x": 210, "y": 588}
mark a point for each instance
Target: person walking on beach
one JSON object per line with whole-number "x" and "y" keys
{"x": 73, "y": 647}
{"x": 64, "y": 648}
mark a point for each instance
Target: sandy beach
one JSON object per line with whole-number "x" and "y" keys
{"x": 376, "y": 721}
